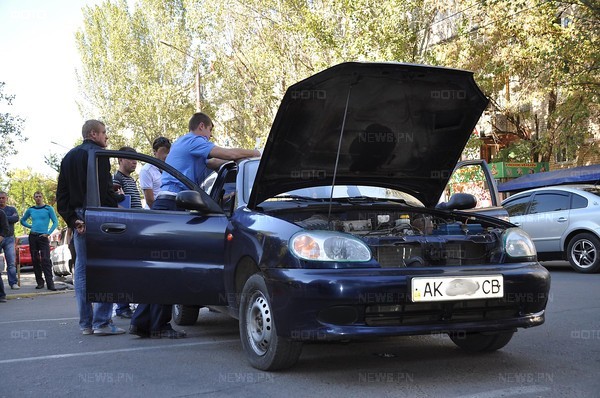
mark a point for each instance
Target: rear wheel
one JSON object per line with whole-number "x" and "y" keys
{"x": 481, "y": 342}
{"x": 584, "y": 253}
{"x": 264, "y": 348}
{"x": 185, "y": 315}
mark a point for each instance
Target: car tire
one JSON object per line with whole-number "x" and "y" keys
{"x": 583, "y": 253}
{"x": 185, "y": 315}
{"x": 481, "y": 342}
{"x": 264, "y": 348}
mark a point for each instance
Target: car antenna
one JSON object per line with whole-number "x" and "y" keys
{"x": 337, "y": 156}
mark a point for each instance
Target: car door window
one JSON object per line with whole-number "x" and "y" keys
{"x": 578, "y": 202}
{"x": 470, "y": 179}
{"x": 548, "y": 202}
{"x": 517, "y": 206}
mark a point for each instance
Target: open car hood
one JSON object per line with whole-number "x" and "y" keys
{"x": 390, "y": 125}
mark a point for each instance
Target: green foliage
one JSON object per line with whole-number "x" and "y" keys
{"x": 519, "y": 151}
{"x": 11, "y": 127}
{"x": 141, "y": 61}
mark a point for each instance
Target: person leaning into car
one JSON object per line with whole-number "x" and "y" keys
{"x": 3, "y": 235}
{"x": 40, "y": 215}
{"x": 70, "y": 200}
{"x": 8, "y": 244}
{"x": 150, "y": 175}
{"x": 192, "y": 154}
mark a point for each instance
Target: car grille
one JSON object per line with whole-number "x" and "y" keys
{"x": 431, "y": 254}
{"x": 424, "y": 313}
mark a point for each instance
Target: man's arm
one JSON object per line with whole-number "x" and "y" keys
{"x": 149, "y": 197}
{"x": 24, "y": 219}
{"x": 53, "y": 218}
{"x": 3, "y": 226}
{"x": 13, "y": 217}
{"x": 232, "y": 153}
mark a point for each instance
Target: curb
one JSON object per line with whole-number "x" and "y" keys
{"x": 30, "y": 295}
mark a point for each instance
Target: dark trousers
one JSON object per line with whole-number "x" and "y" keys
{"x": 154, "y": 317}
{"x": 39, "y": 247}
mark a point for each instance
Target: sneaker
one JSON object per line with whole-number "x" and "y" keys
{"x": 40, "y": 286}
{"x": 168, "y": 334}
{"x": 87, "y": 331}
{"x": 108, "y": 330}
{"x": 15, "y": 287}
{"x": 2, "y": 299}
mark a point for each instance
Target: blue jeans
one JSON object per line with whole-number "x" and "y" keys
{"x": 8, "y": 247}
{"x": 97, "y": 315}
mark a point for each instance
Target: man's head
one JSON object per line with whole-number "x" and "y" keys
{"x": 201, "y": 124}
{"x": 95, "y": 130}
{"x": 161, "y": 147}
{"x": 127, "y": 166}
{"x": 3, "y": 199}
{"x": 39, "y": 198}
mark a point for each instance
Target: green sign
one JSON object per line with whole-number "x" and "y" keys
{"x": 514, "y": 170}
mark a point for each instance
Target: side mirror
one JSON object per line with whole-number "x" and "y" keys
{"x": 458, "y": 201}
{"x": 191, "y": 200}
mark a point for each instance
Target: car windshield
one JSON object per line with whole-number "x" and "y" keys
{"x": 324, "y": 192}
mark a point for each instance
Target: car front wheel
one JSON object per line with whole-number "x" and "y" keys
{"x": 185, "y": 315}
{"x": 481, "y": 342}
{"x": 265, "y": 350}
{"x": 584, "y": 253}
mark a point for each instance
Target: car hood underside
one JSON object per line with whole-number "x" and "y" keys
{"x": 391, "y": 125}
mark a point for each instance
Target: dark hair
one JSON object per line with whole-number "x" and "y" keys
{"x": 127, "y": 149}
{"x": 161, "y": 142}
{"x": 198, "y": 118}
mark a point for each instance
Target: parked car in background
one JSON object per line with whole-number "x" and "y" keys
{"x": 563, "y": 222}
{"x": 63, "y": 255}
{"x": 335, "y": 233}
{"x": 23, "y": 255}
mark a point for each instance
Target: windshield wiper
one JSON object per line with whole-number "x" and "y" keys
{"x": 299, "y": 197}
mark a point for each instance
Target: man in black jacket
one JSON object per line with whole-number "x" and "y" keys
{"x": 70, "y": 200}
{"x": 3, "y": 234}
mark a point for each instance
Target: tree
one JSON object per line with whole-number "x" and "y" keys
{"x": 538, "y": 61}
{"x": 136, "y": 85}
{"x": 11, "y": 128}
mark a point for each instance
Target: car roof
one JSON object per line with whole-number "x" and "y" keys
{"x": 573, "y": 188}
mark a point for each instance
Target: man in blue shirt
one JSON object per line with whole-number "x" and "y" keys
{"x": 192, "y": 154}
{"x": 41, "y": 215}
{"x": 8, "y": 244}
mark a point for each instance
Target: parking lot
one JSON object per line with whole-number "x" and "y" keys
{"x": 44, "y": 354}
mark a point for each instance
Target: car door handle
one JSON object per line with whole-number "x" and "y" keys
{"x": 518, "y": 224}
{"x": 562, "y": 219}
{"x": 113, "y": 228}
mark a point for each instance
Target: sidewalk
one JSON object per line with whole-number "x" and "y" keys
{"x": 28, "y": 284}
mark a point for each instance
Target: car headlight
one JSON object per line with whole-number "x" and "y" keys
{"x": 329, "y": 246}
{"x": 517, "y": 243}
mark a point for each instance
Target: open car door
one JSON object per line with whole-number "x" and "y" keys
{"x": 474, "y": 177}
{"x": 153, "y": 256}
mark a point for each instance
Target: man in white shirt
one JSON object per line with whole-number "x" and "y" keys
{"x": 150, "y": 175}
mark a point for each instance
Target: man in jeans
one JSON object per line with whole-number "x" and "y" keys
{"x": 8, "y": 244}
{"x": 41, "y": 215}
{"x": 70, "y": 199}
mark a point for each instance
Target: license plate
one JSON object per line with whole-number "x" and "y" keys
{"x": 454, "y": 288}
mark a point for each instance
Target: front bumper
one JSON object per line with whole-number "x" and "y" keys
{"x": 336, "y": 304}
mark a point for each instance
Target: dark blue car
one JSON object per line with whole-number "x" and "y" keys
{"x": 336, "y": 232}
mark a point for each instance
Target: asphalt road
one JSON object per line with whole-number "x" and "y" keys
{"x": 44, "y": 354}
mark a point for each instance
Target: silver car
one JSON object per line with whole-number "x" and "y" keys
{"x": 563, "y": 221}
